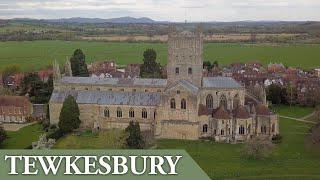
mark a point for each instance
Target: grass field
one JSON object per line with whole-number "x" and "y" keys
{"x": 38, "y": 54}
{"x": 293, "y": 111}
{"x": 23, "y": 138}
{"x": 292, "y": 158}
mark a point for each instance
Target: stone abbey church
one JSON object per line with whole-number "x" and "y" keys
{"x": 186, "y": 105}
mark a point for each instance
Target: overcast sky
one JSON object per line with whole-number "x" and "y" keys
{"x": 166, "y": 10}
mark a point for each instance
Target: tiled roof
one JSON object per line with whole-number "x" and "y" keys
{"x": 241, "y": 113}
{"x": 15, "y": 101}
{"x": 114, "y": 81}
{"x": 203, "y": 110}
{"x": 221, "y": 113}
{"x": 109, "y": 98}
{"x": 220, "y": 82}
{"x": 263, "y": 110}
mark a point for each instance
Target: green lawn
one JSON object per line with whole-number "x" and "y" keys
{"x": 87, "y": 140}
{"x": 220, "y": 161}
{"x": 38, "y": 54}
{"x": 292, "y": 111}
{"x": 23, "y": 138}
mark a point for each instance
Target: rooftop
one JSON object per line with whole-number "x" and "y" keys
{"x": 109, "y": 98}
{"x": 114, "y": 81}
{"x": 220, "y": 82}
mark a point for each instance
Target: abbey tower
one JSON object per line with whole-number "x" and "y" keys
{"x": 185, "y": 57}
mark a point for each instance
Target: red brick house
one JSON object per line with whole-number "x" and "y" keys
{"x": 15, "y": 109}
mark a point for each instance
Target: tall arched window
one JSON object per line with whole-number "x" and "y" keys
{"x": 131, "y": 113}
{"x": 236, "y": 101}
{"x": 119, "y": 112}
{"x": 183, "y": 104}
{"x": 249, "y": 128}
{"x": 209, "y": 101}
{"x": 155, "y": 114}
{"x": 223, "y": 101}
{"x": 241, "y": 130}
{"x": 173, "y": 103}
{"x": 273, "y": 128}
{"x": 222, "y": 131}
{"x": 177, "y": 70}
{"x": 106, "y": 112}
{"x": 144, "y": 113}
{"x": 190, "y": 71}
{"x": 205, "y": 128}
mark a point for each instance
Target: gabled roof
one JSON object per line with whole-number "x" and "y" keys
{"x": 203, "y": 110}
{"x": 220, "y": 82}
{"x": 221, "y": 113}
{"x": 263, "y": 110}
{"x": 186, "y": 84}
{"x": 114, "y": 81}
{"x": 241, "y": 113}
{"x": 14, "y": 101}
{"x": 108, "y": 98}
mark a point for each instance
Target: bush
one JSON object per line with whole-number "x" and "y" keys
{"x": 56, "y": 134}
{"x": 277, "y": 138}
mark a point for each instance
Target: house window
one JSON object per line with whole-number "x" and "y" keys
{"x": 146, "y": 90}
{"x": 73, "y": 88}
{"x": 134, "y": 90}
{"x": 249, "y": 128}
{"x": 241, "y": 130}
{"x": 110, "y": 90}
{"x": 106, "y": 112}
{"x": 222, "y": 131}
{"x": 154, "y": 114}
{"x": 131, "y": 113}
{"x": 264, "y": 129}
{"x": 205, "y": 128}
{"x": 119, "y": 112}
{"x": 214, "y": 131}
{"x": 86, "y": 89}
{"x": 159, "y": 90}
{"x": 190, "y": 71}
{"x": 183, "y": 104}
{"x": 178, "y": 92}
{"x": 209, "y": 102}
{"x": 223, "y": 101}
{"x": 144, "y": 113}
{"x": 177, "y": 70}
{"x": 98, "y": 89}
{"x": 121, "y": 89}
{"x": 173, "y": 103}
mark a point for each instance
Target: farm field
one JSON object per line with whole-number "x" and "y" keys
{"x": 34, "y": 55}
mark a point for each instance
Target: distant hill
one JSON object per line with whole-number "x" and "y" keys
{"x": 120, "y": 20}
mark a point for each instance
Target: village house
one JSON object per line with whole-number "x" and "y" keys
{"x": 15, "y": 109}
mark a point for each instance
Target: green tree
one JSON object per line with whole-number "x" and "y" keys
{"x": 150, "y": 68}
{"x": 32, "y": 85}
{"x": 134, "y": 139}
{"x": 215, "y": 64}
{"x": 274, "y": 94}
{"x": 3, "y": 135}
{"x": 69, "y": 117}
{"x": 78, "y": 64}
{"x": 207, "y": 64}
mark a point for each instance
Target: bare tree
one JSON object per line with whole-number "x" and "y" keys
{"x": 258, "y": 149}
{"x": 43, "y": 143}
